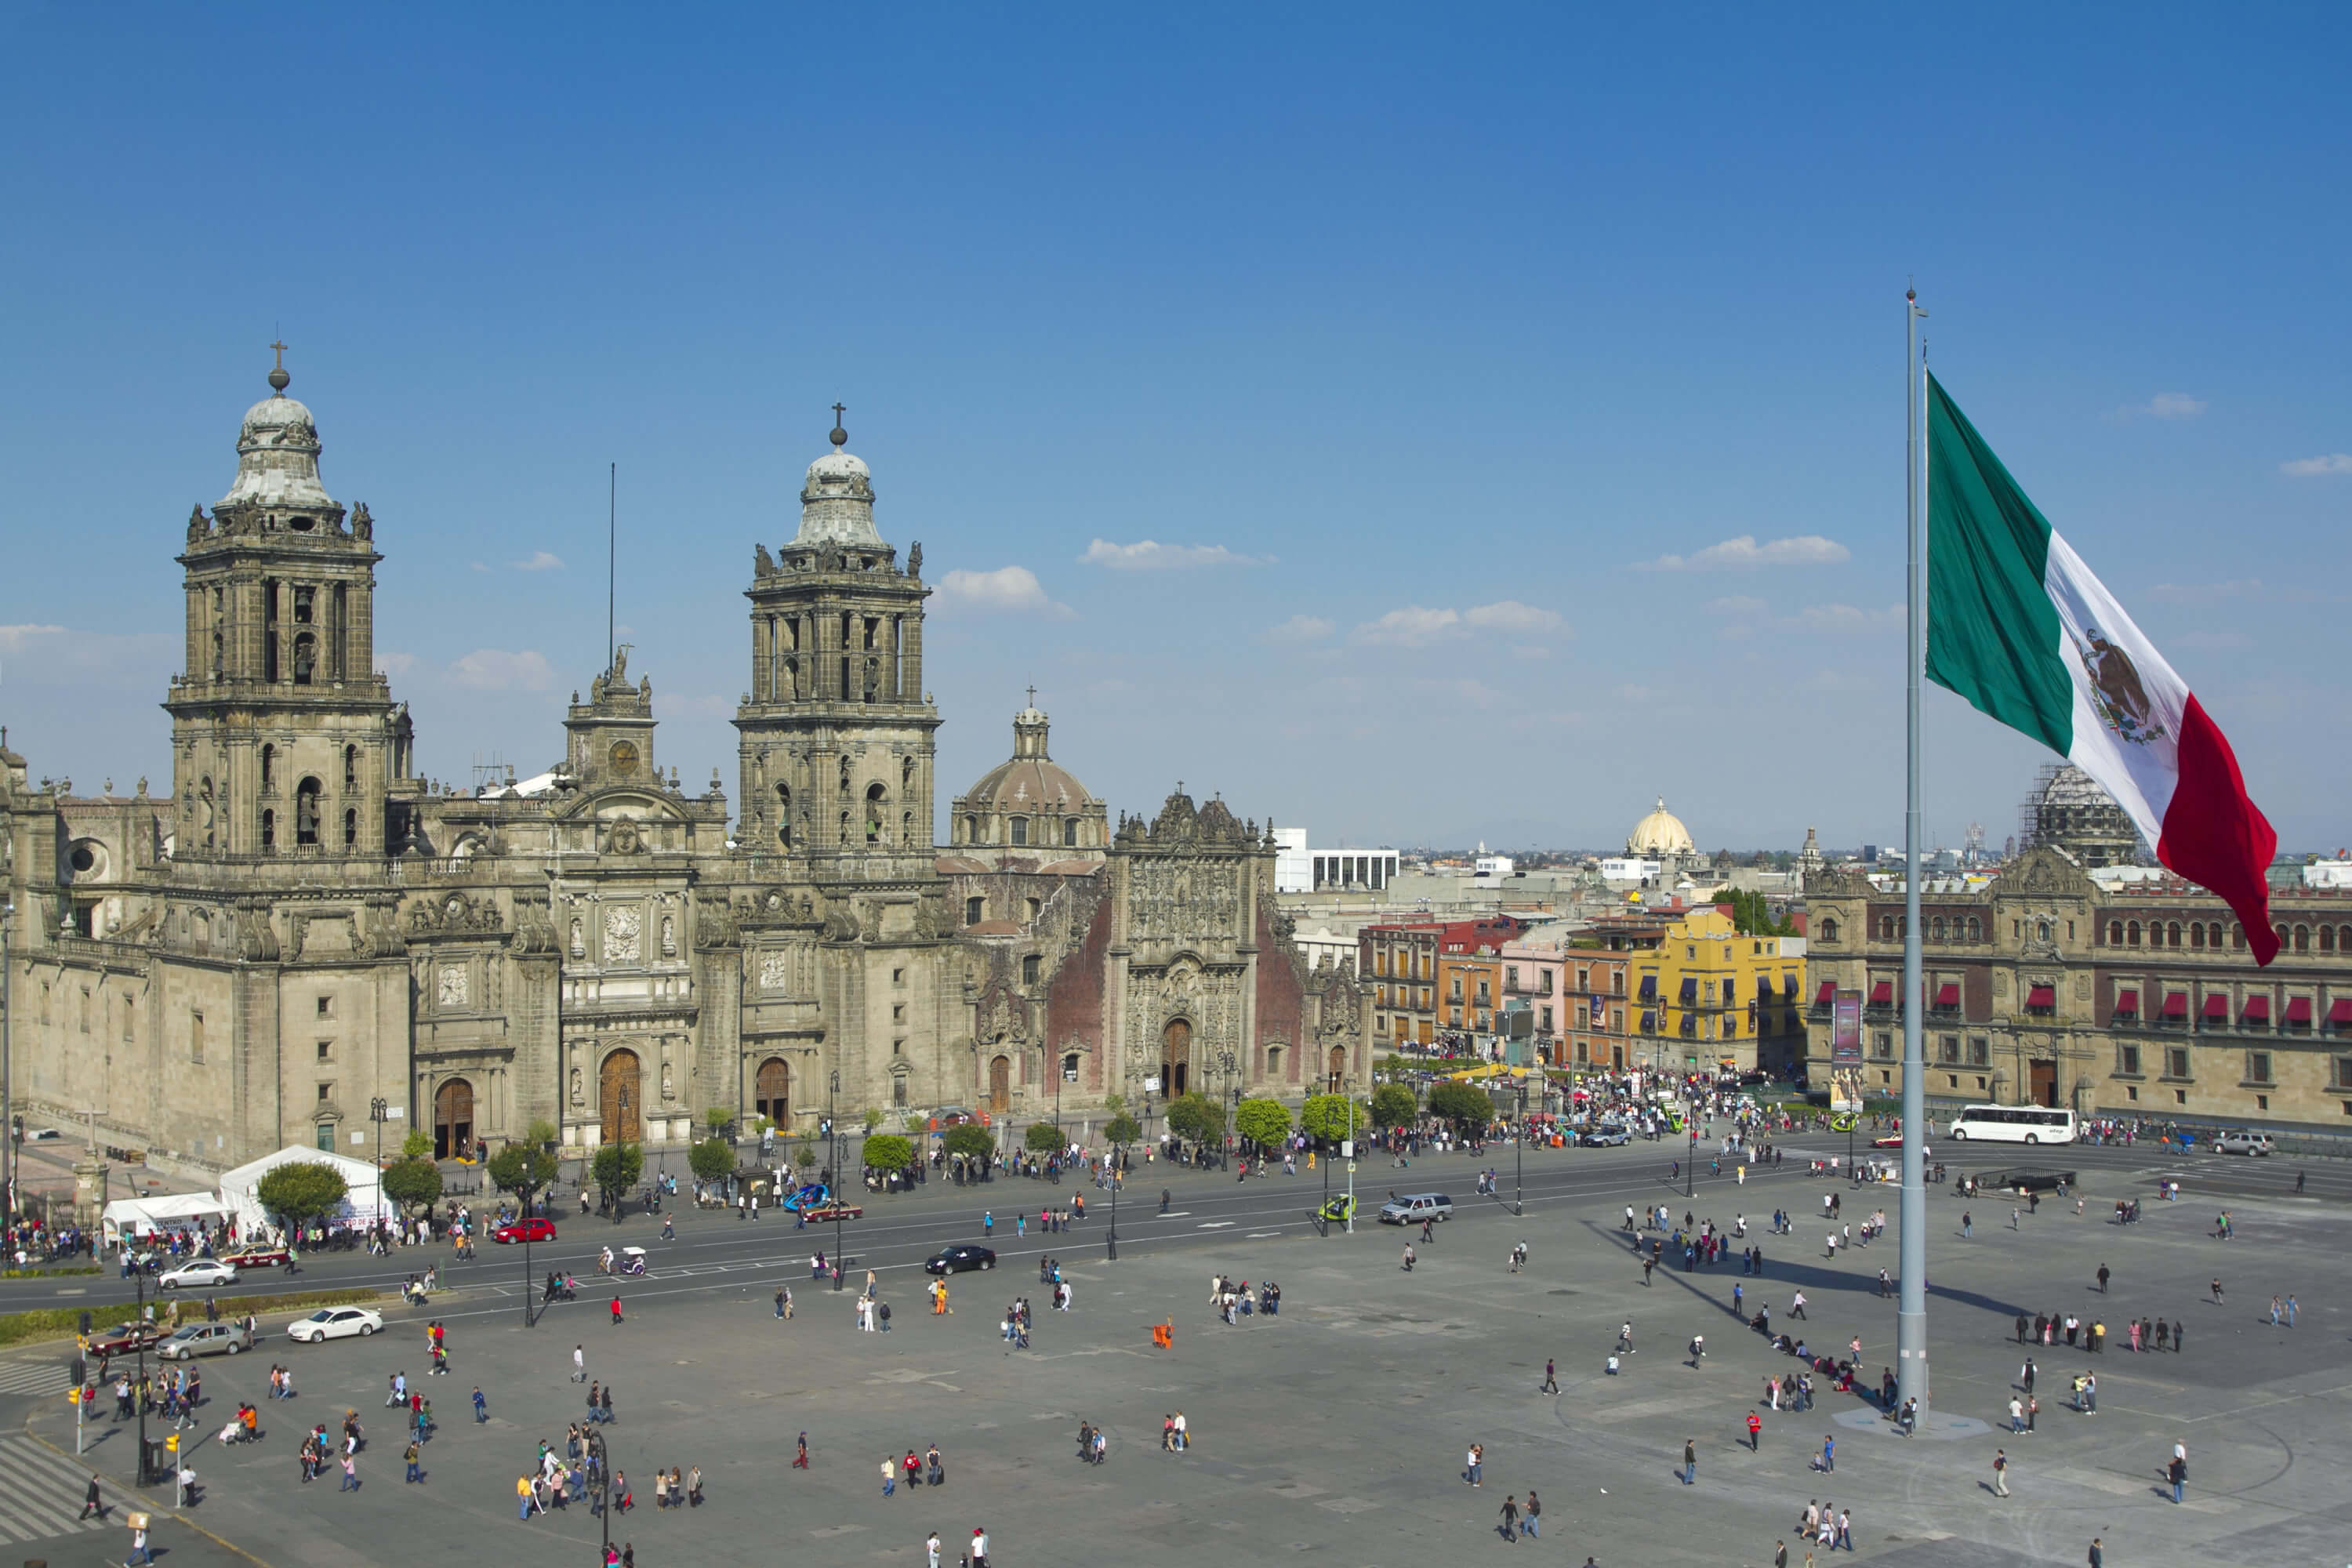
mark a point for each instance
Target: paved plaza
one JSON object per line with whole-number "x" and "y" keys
{"x": 1339, "y": 1429}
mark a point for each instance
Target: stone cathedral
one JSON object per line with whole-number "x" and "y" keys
{"x": 298, "y": 927}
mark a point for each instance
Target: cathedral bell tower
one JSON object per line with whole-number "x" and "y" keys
{"x": 284, "y": 738}
{"x": 837, "y": 732}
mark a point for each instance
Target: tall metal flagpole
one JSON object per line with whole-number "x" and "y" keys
{"x": 1911, "y": 1307}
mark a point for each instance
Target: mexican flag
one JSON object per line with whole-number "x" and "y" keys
{"x": 2019, "y": 625}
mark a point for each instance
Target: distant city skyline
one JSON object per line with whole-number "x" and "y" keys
{"x": 1414, "y": 429}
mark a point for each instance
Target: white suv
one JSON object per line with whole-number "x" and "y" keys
{"x": 2244, "y": 1143}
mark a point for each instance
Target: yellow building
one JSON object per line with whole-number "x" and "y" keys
{"x": 1708, "y": 999}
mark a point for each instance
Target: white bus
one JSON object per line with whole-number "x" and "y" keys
{"x": 2012, "y": 1125}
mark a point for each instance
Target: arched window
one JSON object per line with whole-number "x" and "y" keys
{"x": 2237, "y": 937}
{"x": 351, "y": 827}
{"x": 1976, "y": 928}
{"x": 1935, "y": 929}
{"x": 306, "y": 812}
{"x": 784, "y": 815}
{"x": 268, "y": 768}
{"x": 1069, "y": 833}
{"x": 269, "y": 829}
{"x": 876, "y": 799}
{"x": 351, "y": 767}
{"x": 2303, "y": 939}
{"x": 1829, "y": 930}
{"x": 2115, "y": 934}
{"x": 2133, "y": 931}
{"x": 2279, "y": 931}
{"x": 906, "y": 827}
{"x": 2196, "y": 935}
{"x": 306, "y": 657}
{"x": 2344, "y": 939}
{"x": 2044, "y": 932}
{"x": 1020, "y": 830}
{"x": 2328, "y": 938}
{"x": 2172, "y": 934}
{"x": 971, "y": 830}
{"x": 1887, "y": 927}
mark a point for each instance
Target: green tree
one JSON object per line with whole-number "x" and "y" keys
{"x": 1122, "y": 1128}
{"x": 1465, "y": 1105}
{"x": 417, "y": 1145}
{"x": 522, "y": 1169}
{"x": 1042, "y": 1138}
{"x": 1392, "y": 1105}
{"x": 616, "y": 1167}
{"x": 414, "y": 1183}
{"x": 889, "y": 1152}
{"x": 913, "y": 1125}
{"x": 717, "y": 1118}
{"x": 711, "y": 1159}
{"x": 873, "y": 1118}
{"x": 301, "y": 1191}
{"x": 1330, "y": 1117}
{"x": 971, "y": 1141}
{"x": 807, "y": 1156}
{"x": 1264, "y": 1122}
{"x": 1196, "y": 1118}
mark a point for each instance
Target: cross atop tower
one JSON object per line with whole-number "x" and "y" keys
{"x": 278, "y": 377}
{"x": 1033, "y": 696}
{"x": 840, "y": 436}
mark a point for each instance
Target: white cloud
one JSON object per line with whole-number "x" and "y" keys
{"x": 1510, "y": 616}
{"x": 2207, "y": 593}
{"x": 2314, "y": 468}
{"x": 541, "y": 561}
{"x": 1150, "y": 554}
{"x": 1301, "y": 628}
{"x": 479, "y": 565}
{"x": 1412, "y": 626}
{"x": 13, "y": 640}
{"x": 1845, "y": 618}
{"x": 495, "y": 669}
{"x": 1734, "y": 605}
{"x": 1008, "y": 590}
{"x": 2172, "y": 406}
{"x": 395, "y": 664}
{"x": 1744, "y": 554}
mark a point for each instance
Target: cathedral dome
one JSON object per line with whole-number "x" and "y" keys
{"x": 1660, "y": 833}
{"x": 837, "y": 500}
{"x": 1053, "y": 807}
{"x": 277, "y": 455}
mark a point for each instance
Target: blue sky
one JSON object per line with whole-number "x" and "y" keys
{"x": 1444, "y": 357}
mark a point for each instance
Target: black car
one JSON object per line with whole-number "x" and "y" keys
{"x": 955, "y": 1259}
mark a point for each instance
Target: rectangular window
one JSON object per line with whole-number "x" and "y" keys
{"x": 2258, "y": 1067}
{"x": 2344, "y": 1072}
{"x": 326, "y": 1007}
{"x": 1980, "y": 1051}
{"x": 326, "y": 1092}
{"x": 196, "y": 1038}
{"x": 898, "y": 977}
{"x": 2176, "y": 1062}
{"x": 85, "y": 1009}
{"x": 2127, "y": 1060}
{"x": 975, "y": 911}
{"x": 1033, "y": 965}
{"x": 1543, "y": 1019}
{"x": 1511, "y": 978}
{"x": 326, "y": 1050}
{"x": 898, "y": 1012}
{"x": 1021, "y": 830}
{"x": 1882, "y": 1045}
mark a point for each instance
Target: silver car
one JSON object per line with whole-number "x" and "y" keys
{"x": 207, "y": 1339}
{"x": 2254, "y": 1143}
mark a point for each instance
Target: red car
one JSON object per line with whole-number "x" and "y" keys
{"x": 256, "y": 1258}
{"x": 525, "y": 1230}
{"x": 123, "y": 1339}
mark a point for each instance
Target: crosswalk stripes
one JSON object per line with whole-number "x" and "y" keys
{"x": 41, "y": 1493}
{"x": 35, "y": 1377}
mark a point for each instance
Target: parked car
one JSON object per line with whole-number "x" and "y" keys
{"x": 1414, "y": 1207}
{"x": 207, "y": 1339}
{"x": 2253, "y": 1144}
{"x": 123, "y": 1339}
{"x": 334, "y": 1323}
{"x": 532, "y": 1229}
{"x": 955, "y": 1259}
{"x": 201, "y": 1272}
{"x": 1608, "y": 1135}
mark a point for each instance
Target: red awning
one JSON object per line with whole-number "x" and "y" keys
{"x": 2340, "y": 1012}
{"x": 1948, "y": 995}
{"x": 2176, "y": 1004}
{"x": 2257, "y": 1008}
{"x": 2217, "y": 1005}
{"x": 1828, "y": 989}
{"x": 2298, "y": 1009}
{"x": 1882, "y": 994}
{"x": 2041, "y": 997}
{"x": 2127, "y": 1001}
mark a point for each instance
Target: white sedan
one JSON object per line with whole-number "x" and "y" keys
{"x": 334, "y": 1323}
{"x": 203, "y": 1271}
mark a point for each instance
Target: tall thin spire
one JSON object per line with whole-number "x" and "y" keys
{"x": 611, "y": 559}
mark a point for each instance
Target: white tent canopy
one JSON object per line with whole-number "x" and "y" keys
{"x": 175, "y": 1211}
{"x": 363, "y": 1203}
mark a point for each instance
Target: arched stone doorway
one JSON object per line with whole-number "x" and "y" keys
{"x": 453, "y": 1120}
{"x": 1176, "y": 1059}
{"x": 617, "y": 1095}
{"x": 1336, "y": 1070}
{"x": 1000, "y": 1085}
{"x": 771, "y": 1091}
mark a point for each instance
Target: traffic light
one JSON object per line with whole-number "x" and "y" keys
{"x": 16, "y": 1128}
{"x": 85, "y": 1323}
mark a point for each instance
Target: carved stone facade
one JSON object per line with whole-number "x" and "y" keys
{"x": 301, "y": 925}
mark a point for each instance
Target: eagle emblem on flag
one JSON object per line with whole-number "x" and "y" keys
{"x": 2116, "y": 689}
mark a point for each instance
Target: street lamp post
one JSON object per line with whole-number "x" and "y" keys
{"x": 1690, "y": 1165}
{"x": 376, "y": 1111}
{"x": 603, "y": 1458}
{"x": 1111, "y": 1243}
{"x": 7, "y": 1083}
{"x": 1520, "y": 1163}
{"x": 833, "y": 1121}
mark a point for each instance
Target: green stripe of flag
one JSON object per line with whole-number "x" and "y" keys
{"x": 1992, "y": 634}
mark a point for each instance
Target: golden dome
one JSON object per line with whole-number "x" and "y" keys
{"x": 1660, "y": 833}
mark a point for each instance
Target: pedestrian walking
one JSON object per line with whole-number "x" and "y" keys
{"x": 1534, "y": 1513}
{"x": 2098, "y": 1557}
{"x": 2217, "y": 1291}
{"x": 2177, "y": 1472}
{"x": 2016, "y": 1413}
{"x": 1690, "y": 1461}
{"x": 1551, "y": 1377}
{"x": 1510, "y": 1519}
{"x": 350, "y": 1472}
{"x": 1755, "y": 1433}
{"x": 414, "y": 1456}
{"x": 579, "y": 1364}
{"x": 617, "y": 1309}
{"x": 2103, "y": 1278}
{"x": 91, "y": 1506}
{"x": 481, "y": 1407}
{"x": 1475, "y": 1465}
{"x": 2001, "y": 1472}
